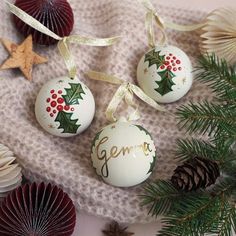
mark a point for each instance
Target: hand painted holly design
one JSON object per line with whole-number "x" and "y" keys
{"x": 61, "y": 106}
{"x": 167, "y": 67}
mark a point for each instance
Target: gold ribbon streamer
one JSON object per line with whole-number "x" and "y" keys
{"x": 68, "y": 59}
{"x": 63, "y": 42}
{"x": 125, "y": 91}
{"x": 153, "y": 14}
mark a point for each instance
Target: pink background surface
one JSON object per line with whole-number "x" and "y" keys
{"x": 90, "y": 225}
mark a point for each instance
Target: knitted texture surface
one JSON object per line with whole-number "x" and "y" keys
{"x": 67, "y": 162}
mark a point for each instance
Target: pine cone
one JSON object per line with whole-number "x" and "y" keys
{"x": 194, "y": 174}
{"x": 116, "y": 230}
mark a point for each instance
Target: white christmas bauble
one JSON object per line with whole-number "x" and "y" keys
{"x": 123, "y": 154}
{"x": 65, "y": 107}
{"x": 165, "y": 74}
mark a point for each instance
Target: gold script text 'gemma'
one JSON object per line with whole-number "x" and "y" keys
{"x": 115, "y": 152}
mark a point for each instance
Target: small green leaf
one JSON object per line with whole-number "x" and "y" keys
{"x": 66, "y": 123}
{"x": 152, "y": 165}
{"x": 154, "y": 58}
{"x": 166, "y": 82}
{"x": 95, "y": 139}
{"x": 73, "y": 94}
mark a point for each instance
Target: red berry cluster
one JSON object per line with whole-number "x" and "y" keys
{"x": 56, "y": 103}
{"x": 171, "y": 63}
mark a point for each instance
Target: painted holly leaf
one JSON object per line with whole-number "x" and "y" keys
{"x": 95, "y": 139}
{"x": 154, "y": 157}
{"x": 66, "y": 123}
{"x": 154, "y": 58}
{"x": 166, "y": 82}
{"x": 152, "y": 165}
{"x": 73, "y": 94}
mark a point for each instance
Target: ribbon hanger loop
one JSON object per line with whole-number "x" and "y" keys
{"x": 162, "y": 25}
{"x": 122, "y": 93}
{"x": 129, "y": 99}
{"x": 151, "y": 17}
{"x": 63, "y": 41}
{"x": 125, "y": 92}
{"x": 68, "y": 58}
{"x": 150, "y": 29}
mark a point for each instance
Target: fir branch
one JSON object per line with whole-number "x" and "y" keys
{"x": 206, "y": 212}
{"x": 225, "y": 155}
{"x": 188, "y": 149}
{"x": 225, "y": 187}
{"x": 229, "y": 170}
{"x": 224, "y": 138}
{"x": 219, "y": 152}
{"x": 211, "y": 210}
{"x": 207, "y": 117}
{"x": 159, "y": 196}
{"x": 219, "y": 76}
{"x": 189, "y": 217}
{"x": 223, "y": 224}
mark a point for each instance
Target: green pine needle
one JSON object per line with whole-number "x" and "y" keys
{"x": 226, "y": 217}
{"x": 219, "y": 76}
{"x": 188, "y": 149}
{"x": 225, "y": 186}
{"x": 219, "y": 152}
{"x": 159, "y": 196}
{"x": 206, "y": 117}
{"x": 202, "y": 212}
{"x": 189, "y": 217}
{"x": 215, "y": 119}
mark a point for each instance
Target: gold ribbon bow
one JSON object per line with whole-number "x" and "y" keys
{"x": 152, "y": 15}
{"x": 126, "y": 91}
{"x": 63, "y": 42}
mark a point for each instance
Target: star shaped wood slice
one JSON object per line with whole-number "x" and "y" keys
{"x": 22, "y": 56}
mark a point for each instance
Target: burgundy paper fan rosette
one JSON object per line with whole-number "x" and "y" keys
{"x": 37, "y": 210}
{"x": 57, "y": 15}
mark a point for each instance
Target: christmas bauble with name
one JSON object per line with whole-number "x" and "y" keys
{"x": 64, "y": 107}
{"x": 165, "y": 74}
{"x": 123, "y": 154}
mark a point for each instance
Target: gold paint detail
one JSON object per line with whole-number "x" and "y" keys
{"x": 116, "y": 152}
{"x": 51, "y": 126}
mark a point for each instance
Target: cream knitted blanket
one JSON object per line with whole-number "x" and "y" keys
{"x": 67, "y": 162}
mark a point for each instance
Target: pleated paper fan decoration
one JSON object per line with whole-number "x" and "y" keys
{"x": 37, "y": 210}
{"x": 219, "y": 34}
{"x": 57, "y": 15}
{"x": 10, "y": 171}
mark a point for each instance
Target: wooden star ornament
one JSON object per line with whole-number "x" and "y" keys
{"x": 22, "y": 56}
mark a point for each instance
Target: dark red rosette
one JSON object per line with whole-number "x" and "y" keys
{"x": 37, "y": 210}
{"x": 56, "y": 15}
